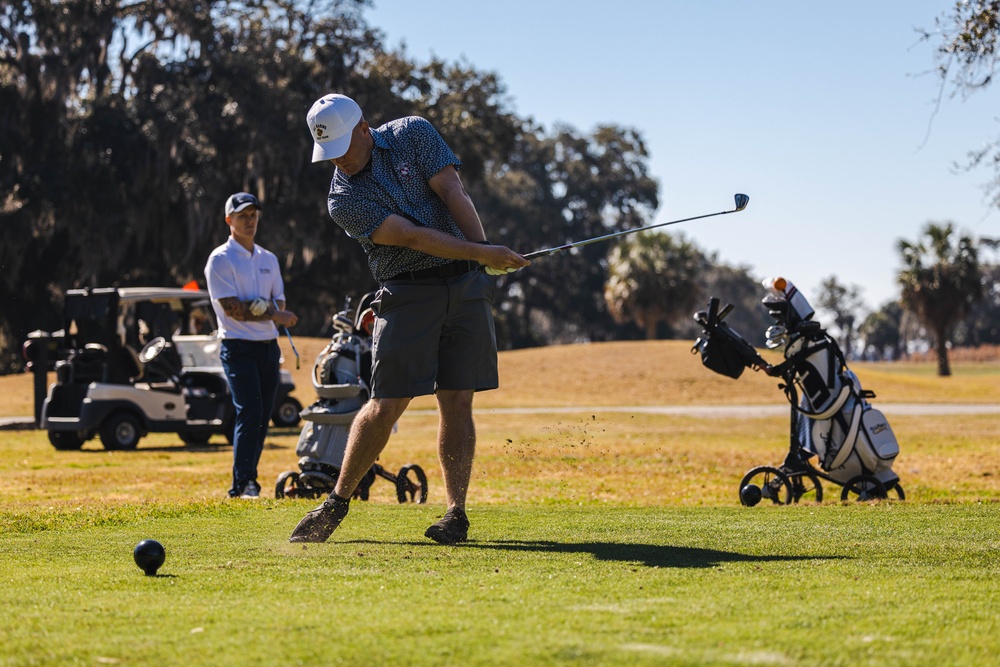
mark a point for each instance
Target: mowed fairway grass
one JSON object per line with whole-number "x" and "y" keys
{"x": 602, "y": 535}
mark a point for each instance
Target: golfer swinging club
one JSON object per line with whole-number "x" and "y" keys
{"x": 396, "y": 190}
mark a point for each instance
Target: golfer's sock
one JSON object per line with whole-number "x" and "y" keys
{"x": 337, "y": 500}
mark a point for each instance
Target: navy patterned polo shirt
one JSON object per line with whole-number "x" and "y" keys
{"x": 407, "y": 153}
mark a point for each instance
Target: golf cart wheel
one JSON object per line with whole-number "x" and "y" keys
{"x": 411, "y": 490}
{"x": 286, "y": 414}
{"x": 195, "y": 438}
{"x": 772, "y": 483}
{"x": 121, "y": 430}
{"x": 287, "y": 485}
{"x": 65, "y": 441}
{"x": 806, "y": 487}
{"x": 863, "y": 488}
{"x": 897, "y": 490}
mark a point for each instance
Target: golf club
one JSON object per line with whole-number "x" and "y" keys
{"x": 741, "y": 203}
{"x": 290, "y": 341}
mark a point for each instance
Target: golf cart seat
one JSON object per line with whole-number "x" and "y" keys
{"x": 86, "y": 365}
{"x": 123, "y": 366}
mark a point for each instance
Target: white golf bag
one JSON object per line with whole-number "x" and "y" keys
{"x": 836, "y": 422}
{"x": 341, "y": 391}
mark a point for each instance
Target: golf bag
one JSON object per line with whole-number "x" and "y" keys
{"x": 342, "y": 378}
{"x": 832, "y": 419}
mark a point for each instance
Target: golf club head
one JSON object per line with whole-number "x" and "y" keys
{"x": 741, "y": 202}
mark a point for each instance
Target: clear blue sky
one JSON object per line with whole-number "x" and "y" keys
{"x": 817, "y": 110}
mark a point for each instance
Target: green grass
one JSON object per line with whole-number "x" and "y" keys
{"x": 902, "y": 584}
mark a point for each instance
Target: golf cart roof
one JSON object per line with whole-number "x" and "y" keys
{"x": 127, "y": 294}
{"x": 152, "y": 294}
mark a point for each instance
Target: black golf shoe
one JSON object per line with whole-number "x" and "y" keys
{"x": 318, "y": 525}
{"x": 451, "y": 529}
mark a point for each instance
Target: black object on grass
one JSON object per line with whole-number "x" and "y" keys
{"x": 149, "y": 556}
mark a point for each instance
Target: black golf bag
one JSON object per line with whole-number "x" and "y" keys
{"x": 341, "y": 379}
{"x": 831, "y": 418}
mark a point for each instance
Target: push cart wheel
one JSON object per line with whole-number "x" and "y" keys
{"x": 412, "y": 490}
{"x": 862, "y": 488}
{"x": 896, "y": 489}
{"x": 365, "y": 485}
{"x": 765, "y": 482}
{"x": 287, "y": 485}
{"x": 806, "y": 487}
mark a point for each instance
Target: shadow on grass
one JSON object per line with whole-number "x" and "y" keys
{"x": 650, "y": 555}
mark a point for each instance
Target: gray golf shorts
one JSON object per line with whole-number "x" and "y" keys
{"x": 434, "y": 333}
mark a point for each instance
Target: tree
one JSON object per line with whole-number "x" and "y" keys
{"x": 940, "y": 281}
{"x": 968, "y": 53}
{"x": 654, "y": 278}
{"x": 134, "y": 120}
{"x": 982, "y": 326}
{"x": 555, "y": 188}
{"x": 881, "y": 332}
{"x": 845, "y": 303}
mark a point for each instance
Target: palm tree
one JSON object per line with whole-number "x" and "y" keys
{"x": 940, "y": 281}
{"x": 654, "y": 278}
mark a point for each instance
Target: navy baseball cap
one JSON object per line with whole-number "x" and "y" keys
{"x": 240, "y": 201}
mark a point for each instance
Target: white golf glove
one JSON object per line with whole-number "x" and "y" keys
{"x": 258, "y": 306}
{"x": 497, "y": 272}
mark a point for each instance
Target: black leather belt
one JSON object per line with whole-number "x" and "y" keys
{"x": 449, "y": 270}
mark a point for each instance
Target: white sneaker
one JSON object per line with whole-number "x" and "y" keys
{"x": 251, "y": 490}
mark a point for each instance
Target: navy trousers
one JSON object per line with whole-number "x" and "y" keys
{"x": 253, "y": 371}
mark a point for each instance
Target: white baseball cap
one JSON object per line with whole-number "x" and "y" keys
{"x": 332, "y": 120}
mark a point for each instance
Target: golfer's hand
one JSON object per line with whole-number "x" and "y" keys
{"x": 285, "y": 318}
{"x": 499, "y": 260}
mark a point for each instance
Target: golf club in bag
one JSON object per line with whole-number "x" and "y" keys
{"x": 831, "y": 418}
{"x": 741, "y": 203}
{"x": 341, "y": 378}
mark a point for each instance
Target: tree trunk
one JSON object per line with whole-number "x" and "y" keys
{"x": 941, "y": 347}
{"x": 651, "y": 328}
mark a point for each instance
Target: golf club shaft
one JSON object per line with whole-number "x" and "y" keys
{"x": 290, "y": 341}
{"x": 740, "y": 205}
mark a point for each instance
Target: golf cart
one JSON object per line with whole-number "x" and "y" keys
{"x": 136, "y": 360}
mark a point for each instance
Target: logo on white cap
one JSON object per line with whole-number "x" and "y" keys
{"x": 331, "y": 121}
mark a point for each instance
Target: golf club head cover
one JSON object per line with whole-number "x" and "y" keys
{"x": 798, "y": 306}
